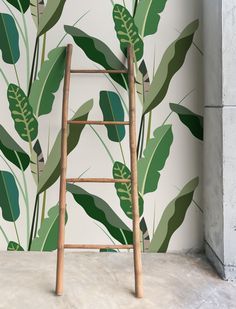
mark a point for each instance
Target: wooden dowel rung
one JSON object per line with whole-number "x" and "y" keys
{"x": 100, "y": 71}
{"x": 102, "y": 180}
{"x": 77, "y": 246}
{"x": 98, "y": 122}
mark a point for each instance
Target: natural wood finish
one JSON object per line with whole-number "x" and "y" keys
{"x": 101, "y": 180}
{"x": 62, "y": 197}
{"x": 134, "y": 177}
{"x": 95, "y": 122}
{"x": 100, "y": 71}
{"x": 77, "y": 246}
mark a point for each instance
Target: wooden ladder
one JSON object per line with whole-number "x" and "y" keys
{"x": 133, "y": 162}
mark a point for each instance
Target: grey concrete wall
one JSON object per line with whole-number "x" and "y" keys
{"x": 220, "y": 134}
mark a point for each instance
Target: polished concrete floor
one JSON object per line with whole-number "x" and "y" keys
{"x": 105, "y": 280}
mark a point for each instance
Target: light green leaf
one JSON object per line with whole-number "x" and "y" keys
{"x": 21, "y": 111}
{"x": 154, "y": 158}
{"x": 172, "y": 218}
{"x": 9, "y": 197}
{"x": 112, "y": 110}
{"x": 147, "y": 16}
{"x": 13, "y": 246}
{"x": 99, "y": 210}
{"x": 48, "y": 232}
{"x": 9, "y": 43}
{"x": 36, "y": 7}
{"x": 171, "y": 62}
{"x": 126, "y": 31}
{"x": 193, "y": 122}
{"x": 100, "y": 53}
{"x": 123, "y": 190}
{"x": 49, "y": 78}
{"x": 12, "y": 151}
{"x": 50, "y": 16}
{"x": 51, "y": 171}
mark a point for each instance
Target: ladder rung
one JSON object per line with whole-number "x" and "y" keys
{"x": 98, "y": 122}
{"x": 101, "y": 71}
{"x": 106, "y": 180}
{"x": 76, "y": 246}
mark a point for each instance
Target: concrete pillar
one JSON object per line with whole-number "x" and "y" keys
{"x": 220, "y": 134}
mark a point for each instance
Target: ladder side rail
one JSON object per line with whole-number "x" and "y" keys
{"x": 134, "y": 177}
{"x": 62, "y": 196}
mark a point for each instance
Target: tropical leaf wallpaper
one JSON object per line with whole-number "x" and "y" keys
{"x": 167, "y": 48}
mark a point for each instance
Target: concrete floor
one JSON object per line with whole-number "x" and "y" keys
{"x": 105, "y": 280}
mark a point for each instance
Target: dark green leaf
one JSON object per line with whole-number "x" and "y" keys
{"x": 154, "y": 158}
{"x": 12, "y": 151}
{"x": 9, "y": 43}
{"x": 192, "y": 121}
{"x": 142, "y": 82}
{"x": 37, "y": 161}
{"x": 49, "y": 78}
{"x": 123, "y": 190}
{"x": 126, "y": 31}
{"x": 13, "y": 246}
{"x": 51, "y": 14}
{"x": 99, "y": 210}
{"x": 108, "y": 250}
{"x": 20, "y": 5}
{"x": 21, "y": 111}
{"x": 112, "y": 110}
{"x": 145, "y": 234}
{"x": 51, "y": 171}
{"x": 37, "y": 7}
{"x": 9, "y": 197}
{"x": 147, "y": 16}
{"x": 99, "y": 52}
{"x": 171, "y": 62}
{"x": 172, "y": 218}
{"x": 48, "y": 232}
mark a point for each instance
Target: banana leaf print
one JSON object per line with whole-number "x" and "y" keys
{"x": 33, "y": 65}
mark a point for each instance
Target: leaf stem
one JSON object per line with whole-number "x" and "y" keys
{"x": 26, "y": 197}
{"x": 44, "y": 48}
{"x": 149, "y": 127}
{"x": 135, "y": 7}
{"x": 17, "y": 76}
{"x": 17, "y": 235}
{"x": 103, "y": 143}
{"x": 4, "y": 234}
{"x": 4, "y": 77}
{"x": 33, "y": 222}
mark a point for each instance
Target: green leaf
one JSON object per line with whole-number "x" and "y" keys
{"x": 99, "y": 210}
{"x": 172, "y": 218}
{"x": 9, "y": 43}
{"x": 37, "y": 161}
{"x": 112, "y": 110}
{"x": 48, "y": 232}
{"x": 123, "y": 190}
{"x": 171, "y": 62}
{"x": 192, "y": 121}
{"x": 147, "y": 16}
{"x": 142, "y": 82}
{"x": 51, "y": 171}
{"x": 13, "y": 246}
{"x": 49, "y": 78}
{"x": 108, "y": 250}
{"x": 145, "y": 234}
{"x": 36, "y": 7}
{"x": 20, "y": 5}
{"x": 9, "y": 197}
{"x": 154, "y": 159}
{"x": 21, "y": 111}
{"x": 12, "y": 151}
{"x": 100, "y": 53}
{"x": 51, "y": 15}
{"x": 126, "y": 31}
